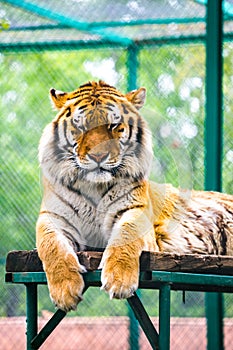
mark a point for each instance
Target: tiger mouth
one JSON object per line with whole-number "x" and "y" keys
{"x": 100, "y": 170}
{"x": 99, "y": 175}
{"x": 99, "y": 167}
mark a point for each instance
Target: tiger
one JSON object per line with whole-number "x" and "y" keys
{"x": 95, "y": 157}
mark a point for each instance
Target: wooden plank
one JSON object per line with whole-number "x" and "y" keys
{"x": 195, "y": 263}
{"x": 90, "y": 260}
{"x": 28, "y": 261}
{"x": 23, "y": 261}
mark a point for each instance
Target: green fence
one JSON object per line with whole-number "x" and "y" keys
{"x": 162, "y": 45}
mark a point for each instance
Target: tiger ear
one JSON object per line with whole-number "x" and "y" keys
{"x": 58, "y": 98}
{"x": 137, "y": 97}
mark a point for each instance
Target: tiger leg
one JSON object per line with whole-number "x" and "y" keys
{"x": 120, "y": 261}
{"x": 61, "y": 265}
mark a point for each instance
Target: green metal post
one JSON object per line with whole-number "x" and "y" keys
{"x": 132, "y": 64}
{"x": 214, "y": 313}
{"x": 213, "y": 148}
{"x": 31, "y": 312}
{"x": 133, "y": 331}
{"x": 214, "y": 119}
{"x": 164, "y": 316}
{"x": 48, "y": 329}
{"x": 144, "y": 320}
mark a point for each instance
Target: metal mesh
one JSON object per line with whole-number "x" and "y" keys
{"x": 55, "y": 46}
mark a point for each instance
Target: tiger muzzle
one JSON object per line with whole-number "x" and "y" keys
{"x": 98, "y": 157}
{"x": 99, "y": 145}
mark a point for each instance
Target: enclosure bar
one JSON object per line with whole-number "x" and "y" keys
{"x": 150, "y": 21}
{"x": 132, "y": 66}
{"x": 103, "y": 43}
{"x": 37, "y": 27}
{"x": 98, "y": 43}
{"x": 144, "y": 321}
{"x": 164, "y": 316}
{"x": 80, "y": 25}
{"x": 31, "y": 312}
{"x": 107, "y": 24}
{"x": 214, "y": 118}
{"x": 55, "y": 46}
{"x": 213, "y": 147}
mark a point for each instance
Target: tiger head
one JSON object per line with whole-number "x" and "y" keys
{"x": 99, "y": 135}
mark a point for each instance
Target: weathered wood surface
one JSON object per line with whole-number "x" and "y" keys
{"x": 28, "y": 261}
{"x": 23, "y": 261}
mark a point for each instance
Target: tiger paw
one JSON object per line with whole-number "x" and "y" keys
{"x": 66, "y": 292}
{"x": 120, "y": 275}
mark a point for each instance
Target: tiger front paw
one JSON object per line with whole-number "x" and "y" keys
{"x": 120, "y": 274}
{"x": 66, "y": 289}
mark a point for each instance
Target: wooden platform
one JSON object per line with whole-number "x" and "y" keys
{"x": 28, "y": 261}
{"x": 157, "y": 271}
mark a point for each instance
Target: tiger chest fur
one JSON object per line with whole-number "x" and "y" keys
{"x": 95, "y": 158}
{"x": 87, "y": 215}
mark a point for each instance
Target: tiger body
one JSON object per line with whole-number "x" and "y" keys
{"x": 95, "y": 158}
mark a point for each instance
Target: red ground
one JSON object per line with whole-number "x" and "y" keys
{"x": 78, "y": 333}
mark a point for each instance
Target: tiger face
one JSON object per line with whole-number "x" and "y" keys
{"x": 102, "y": 136}
{"x": 101, "y": 143}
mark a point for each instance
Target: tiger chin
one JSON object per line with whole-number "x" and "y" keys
{"x": 95, "y": 158}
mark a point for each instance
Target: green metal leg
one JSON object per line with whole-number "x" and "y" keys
{"x": 214, "y": 316}
{"x": 164, "y": 316}
{"x": 39, "y": 339}
{"x": 214, "y": 145}
{"x": 133, "y": 331}
{"x": 48, "y": 329}
{"x": 144, "y": 320}
{"x": 31, "y": 312}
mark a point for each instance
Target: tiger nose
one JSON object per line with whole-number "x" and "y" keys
{"x": 98, "y": 157}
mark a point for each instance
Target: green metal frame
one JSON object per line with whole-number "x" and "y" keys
{"x": 132, "y": 66}
{"x": 103, "y": 29}
{"x": 89, "y": 26}
{"x": 214, "y": 117}
{"x": 162, "y": 280}
{"x": 70, "y": 22}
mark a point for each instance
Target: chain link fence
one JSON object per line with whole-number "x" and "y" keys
{"x": 47, "y": 44}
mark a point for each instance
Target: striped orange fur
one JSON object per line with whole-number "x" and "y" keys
{"x": 95, "y": 158}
